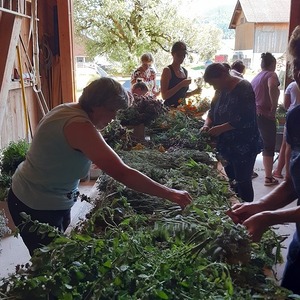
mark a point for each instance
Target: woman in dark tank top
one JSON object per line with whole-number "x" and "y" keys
{"x": 174, "y": 79}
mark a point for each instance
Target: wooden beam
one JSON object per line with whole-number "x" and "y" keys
{"x": 294, "y": 15}
{"x": 65, "y": 29}
{"x": 10, "y": 27}
{"x": 294, "y": 22}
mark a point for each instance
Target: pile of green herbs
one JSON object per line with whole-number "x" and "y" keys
{"x": 10, "y": 157}
{"x": 179, "y": 130}
{"x": 134, "y": 246}
{"x": 117, "y": 136}
{"x": 143, "y": 110}
{"x": 171, "y": 129}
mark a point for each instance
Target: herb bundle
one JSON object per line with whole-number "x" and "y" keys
{"x": 144, "y": 110}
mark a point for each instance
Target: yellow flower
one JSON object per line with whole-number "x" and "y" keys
{"x": 138, "y": 146}
{"x": 161, "y": 148}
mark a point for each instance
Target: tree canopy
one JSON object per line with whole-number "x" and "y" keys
{"x": 124, "y": 30}
{"x": 221, "y": 18}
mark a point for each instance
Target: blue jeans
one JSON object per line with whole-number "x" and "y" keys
{"x": 241, "y": 171}
{"x": 291, "y": 275}
{"x": 56, "y": 218}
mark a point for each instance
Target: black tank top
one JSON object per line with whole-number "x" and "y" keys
{"x": 173, "y": 100}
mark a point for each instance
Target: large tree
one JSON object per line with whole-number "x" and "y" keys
{"x": 123, "y": 30}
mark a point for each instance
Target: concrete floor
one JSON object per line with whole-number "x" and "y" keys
{"x": 14, "y": 252}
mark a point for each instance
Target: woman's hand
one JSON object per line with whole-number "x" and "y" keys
{"x": 182, "y": 198}
{"x": 197, "y": 91}
{"x": 204, "y": 128}
{"x": 207, "y": 125}
{"x": 216, "y": 130}
{"x": 219, "y": 129}
{"x": 243, "y": 211}
{"x": 250, "y": 215}
{"x": 257, "y": 225}
{"x": 186, "y": 82}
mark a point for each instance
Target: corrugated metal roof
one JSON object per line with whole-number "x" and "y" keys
{"x": 262, "y": 11}
{"x": 266, "y": 11}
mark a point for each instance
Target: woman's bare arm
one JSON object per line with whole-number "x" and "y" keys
{"x": 84, "y": 137}
{"x": 164, "y": 84}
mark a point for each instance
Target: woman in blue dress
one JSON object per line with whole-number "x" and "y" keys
{"x": 232, "y": 120}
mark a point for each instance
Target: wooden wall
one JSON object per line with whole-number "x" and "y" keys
{"x": 55, "y": 26}
{"x": 271, "y": 37}
{"x": 260, "y": 37}
{"x": 16, "y": 124}
{"x": 244, "y": 37}
{"x": 56, "y": 40}
{"x": 17, "y": 110}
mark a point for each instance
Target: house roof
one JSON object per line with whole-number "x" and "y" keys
{"x": 262, "y": 11}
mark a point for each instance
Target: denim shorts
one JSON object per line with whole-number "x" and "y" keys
{"x": 267, "y": 129}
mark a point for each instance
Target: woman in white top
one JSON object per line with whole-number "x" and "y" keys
{"x": 292, "y": 96}
{"x": 291, "y": 100}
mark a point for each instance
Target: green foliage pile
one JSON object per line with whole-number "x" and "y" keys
{"x": 118, "y": 136}
{"x": 10, "y": 157}
{"x": 134, "y": 246}
{"x": 170, "y": 129}
{"x": 179, "y": 130}
{"x": 143, "y": 110}
{"x": 177, "y": 169}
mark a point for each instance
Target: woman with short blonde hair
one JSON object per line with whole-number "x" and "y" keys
{"x": 146, "y": 73}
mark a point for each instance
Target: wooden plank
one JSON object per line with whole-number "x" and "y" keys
{"x": 10, "y": 27}
{"x": 271, "y": 37}
{"x": 245, "y": 29}
{"x": 294, "y": 22}
{"x": 65, "y": 26}
{"x": 295, "y": 15}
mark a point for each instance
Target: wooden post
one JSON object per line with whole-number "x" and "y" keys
{"x": 294, "y": 22}
{"x": 65, "y": 28}
{"x": 295, "y": 15}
